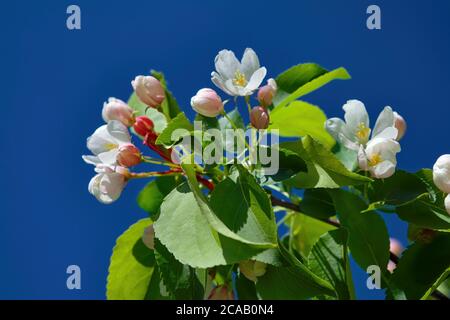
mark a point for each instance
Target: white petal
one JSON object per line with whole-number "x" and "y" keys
{"x": 93, "y": 186}
{"x": 109, "y": 157}
{"x": 100, "y": 140}
{"x": 219, "y": 82}
{"x": 119, "y": 131}
{"x": 226, "y": 64}
{"x": 256, "y": 79}
{"x": 362, "y": 159}
{"x": 111, "y": 186}
{"x": 338, "y": 130}
{"x": 383, "y": 170}
{"x": 91, "y": 160}
{"x": 384, "y": 120}
{"x": 355, "y": 114}
{"x": 234, "y": 90}
{"x": 387, "y": 133}
{"x": 249, "y": 63}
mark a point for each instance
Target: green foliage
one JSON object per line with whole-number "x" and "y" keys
{"x": 299, "y": 119}
{"x": 159, "y": 120}
{"x": 317, "y": 203}
{"x": 324, "y": 169}
{"x": 131, "y": 265}
{"x": 169, "y": 136}
{"x": 153, "y": 194}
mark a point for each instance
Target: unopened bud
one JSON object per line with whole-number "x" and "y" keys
{"x": 441, "y": 173}
{"x": 143, "y": 125}
{"x": 395, "y": 246}
{"x": 267, "y": 92}
{"x": 149, "y": 90}
{"x": 400, "y": 125}
{"x": 252, "y": 269}
{"x": 149, "y": 237}
{"x": 259, "y": 117}
{"x": 207, "y": 103}
{"x": 116, "y": 109}
{"x": 447, "y": 203}
{"x": 128, "y": 155}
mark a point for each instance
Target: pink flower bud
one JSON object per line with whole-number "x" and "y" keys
{"x": 128, "y": 155}
{"x": 391, "y": 266}
{"x": 207, "y": 103}
{"x": 221, "y": 293}
{"x": 447, "y": 203}
{"x": 441, "y": 173}
{"x": 149, "y": 90}
{"x": 259, "y": 117}
{"x": 267, "y": 92}
{"x": 395, "y": 246}
{"x": 149, "y": 237}
{"x": 400, "y": 125}
{"x": 143, "y": 125}
{"x": 116, "y": 109}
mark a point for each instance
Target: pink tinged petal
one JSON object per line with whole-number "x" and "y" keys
{"x": 441, "y": 173}
{"x": 256, "y": 79}
{"x": 111, "y": 186}
{"x": 400, "y": 124}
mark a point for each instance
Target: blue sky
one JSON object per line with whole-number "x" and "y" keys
{"x": 54, "y": 82}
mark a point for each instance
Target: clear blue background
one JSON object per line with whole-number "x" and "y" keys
{"x": 54, "y": 82}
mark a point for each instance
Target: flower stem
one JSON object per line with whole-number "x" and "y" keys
{"x": 235, "y": 128}
{"x": 154, "y": 161}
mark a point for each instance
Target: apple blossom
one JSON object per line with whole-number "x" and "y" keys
{"x": 109, "y": 182}
{"x": 116, "y": 109}
{"x": 441, "y": 173}
{"x": 267, "y": 92}
{"x": 400, "y": 125}
{"x": 207, "y": 103}
{"x": 149, "y": 237}
{"x": 128, "y": 155}
{"x": 447, "y": 203}
{"x": 395, "y": 246}
{"x": 259, "y": 117}
{"x": 143, "y": 125}
{"x": 252, "y": 269}
{"x": 391, "y": 266}
{"x": 104, "y": 143}
{"x": 355, "y": 131}
{"x": 149, "y": 90}
{"x": 238, "y": 78}
{"x": 379, "y": 157}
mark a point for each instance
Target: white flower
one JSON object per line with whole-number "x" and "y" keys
{"x": 379, "y": 157}
{"x": 238, "y": 78}
{"x": 105, "y": 142}
{"x": 108, "y": 184}
{"x": 355, "y": 131}
{"x": 441, "y": 173}
{"x": 447, "y": 203}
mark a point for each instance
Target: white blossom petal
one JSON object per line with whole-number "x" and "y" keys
{"x": 220, "y": 82}
{"x": 355, "y": 115}
{"x": 109, "y": 157}
{"x": 249, "y": 63}
{"x": 91, "y": 159}
{"x": 383, "y": 170}
{"x": 119, "y": 131}
{"x": 384, "y": 120}
{"x": 226, "y": 63}
{"x": 256, "y": 79}
{"x": 99, "y": 141}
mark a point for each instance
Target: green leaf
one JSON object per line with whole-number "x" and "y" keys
{"x": 329, "y": 260}
{"x": 299, "y": 119}
{"x": 246, "y": 289}
{"x": 324, "y": 169}
{"x": 169, "y": 106}
{"x": 192, "y": 232}
{"x": 421, "y": 267}
{"x": 317, "y": 203}
{"x": 129, "y": 276}
{"x": 159, "y": 120}
{"x": 153, "y": 194}
{"x": 180, "y": 280}
{"x": 235, "y": 116}
{"x": 289, "y": 162}
{"x": 307, "y": 78}
{"x": 290, "y": 283}
{"x": 306, "y": 231}
{"x": 368, "y": 237}
{"x": 179, "y": 122}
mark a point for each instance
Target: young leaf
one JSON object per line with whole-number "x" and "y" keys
{"x": 317, "y": 203}
{"x": 159, "y": 120}
{"x": 299, "y": 119}
{"x": 303, "y": 79}
{"x": 368, "y": 237}
{"x": 324, "y": 169}
{"x": 421, "y": 266}
{"x": 329, "y": 260}
{"x": 169, "y": 135}
{"x": 153, "y": 194}
{"x": 129, "y": 276}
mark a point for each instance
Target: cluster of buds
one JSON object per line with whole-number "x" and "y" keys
{"x": 113, "y": 153}
{"x": 441, "y": 177}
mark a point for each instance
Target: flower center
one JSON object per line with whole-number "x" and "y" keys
{"x": 375, "y": 159}
{"x": 363, "y": 132}
{"x": 239, "y": 79}
{"x": 111, "y": 146}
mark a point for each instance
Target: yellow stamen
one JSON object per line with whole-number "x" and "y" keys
{"x": 110, "y": 146}
{"x": 363, "y": 132}
{"x": 239, "y": 79}
{"x": 375, "y": 159}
